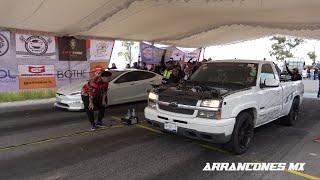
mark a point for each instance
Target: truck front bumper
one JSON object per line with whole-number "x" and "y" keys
{"x": 217, "y": 131}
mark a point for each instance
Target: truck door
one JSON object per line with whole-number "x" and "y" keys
{"x": 270, "y": 98}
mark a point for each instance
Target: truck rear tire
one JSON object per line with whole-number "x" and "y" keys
{"x": 242, "y": 133}
{"x": 292, "y": 117}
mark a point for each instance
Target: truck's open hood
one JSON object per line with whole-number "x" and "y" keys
{"x": 199, "y": 92}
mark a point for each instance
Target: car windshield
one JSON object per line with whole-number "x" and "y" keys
{"x": 227, "y": 74}
{"x": 115, "y": 74}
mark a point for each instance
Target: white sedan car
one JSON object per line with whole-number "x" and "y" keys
{"x": 125, "y": 86}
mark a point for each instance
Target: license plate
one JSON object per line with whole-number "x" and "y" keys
{"x": 171, "y": 127}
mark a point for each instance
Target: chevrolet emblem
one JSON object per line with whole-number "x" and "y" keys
{"x": 173, "y": 104}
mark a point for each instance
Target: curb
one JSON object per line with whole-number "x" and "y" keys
{"x": 17, "y": 106}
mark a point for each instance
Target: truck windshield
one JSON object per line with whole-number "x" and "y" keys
{"x": 227, "y": 74}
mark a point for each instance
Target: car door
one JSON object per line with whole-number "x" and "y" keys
{"x": 270, "y": 105}
{"x": 145, "y": 79}
{"x": 131, "y": 86}
{"x": 122, "y": 89}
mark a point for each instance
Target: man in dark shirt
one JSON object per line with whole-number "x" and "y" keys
{"x": 295, "y": 76}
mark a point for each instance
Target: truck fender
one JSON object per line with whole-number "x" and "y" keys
{"x": 244, "y": 106}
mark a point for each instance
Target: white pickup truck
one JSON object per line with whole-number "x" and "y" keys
{"x": 224, "y": 101}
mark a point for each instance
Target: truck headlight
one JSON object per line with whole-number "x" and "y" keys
{"x": 152, "y": 97}
{"x": 209, "y": 114}
{"x": 210, "y": 103}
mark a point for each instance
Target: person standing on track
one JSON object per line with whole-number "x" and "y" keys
{"x": 94, "y": 97}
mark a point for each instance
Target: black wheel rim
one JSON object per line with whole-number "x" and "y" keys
{"x": 295, "y": 112}
{"x": 245, "y": 134}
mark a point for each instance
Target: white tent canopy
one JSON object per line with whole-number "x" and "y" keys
{"x": 188, "y": 23}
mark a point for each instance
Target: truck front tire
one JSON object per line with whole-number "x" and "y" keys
{"x": 292, "y": 117}
{"x": 243, "y": 133}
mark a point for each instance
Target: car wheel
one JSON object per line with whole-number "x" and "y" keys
{"x": 292, "y": 118}
{"x": 242, "y": 133}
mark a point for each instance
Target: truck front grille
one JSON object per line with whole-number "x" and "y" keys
{"x": 176, "y": 99}
{"x": 176, "y": 110}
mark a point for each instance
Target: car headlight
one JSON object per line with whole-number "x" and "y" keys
{"x": 210, "y": 103}
{"x": 152, "y": 96}
{"x": 75, "y": 93}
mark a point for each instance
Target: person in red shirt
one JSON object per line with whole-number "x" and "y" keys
{"x": 94, "y": 97}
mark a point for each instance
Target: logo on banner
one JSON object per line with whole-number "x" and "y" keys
{"x": 72, "y": 49}
{"x": 71, "y": 74}
{"x": 101, "y": 49}
{"x": 4, "y": 45}
{"x": 36, "y": 76}
{"x": 6, "y": 76}
{"x": 148, "y": 52}
{"x": 37, "y": 70}
{"x": 36, "y": 45}
{"x": 73, "y": 44}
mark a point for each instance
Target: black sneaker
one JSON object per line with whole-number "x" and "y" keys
{"x": 94, "y": 127}
{"x": 100, "y": 124}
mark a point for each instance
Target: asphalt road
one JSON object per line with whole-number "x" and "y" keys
{"x": 44, "y": 143}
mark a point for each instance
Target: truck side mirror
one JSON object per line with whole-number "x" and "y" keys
{"x": 270, "y": 83}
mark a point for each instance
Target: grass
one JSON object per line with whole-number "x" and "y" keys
{"x": 27, "y": 95}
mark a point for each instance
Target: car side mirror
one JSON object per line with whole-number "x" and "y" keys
{"x": 270, "y": 83}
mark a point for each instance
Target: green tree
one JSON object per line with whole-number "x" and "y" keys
{"x": 283, "y": 47}
{"x": 312, "y": 55}
{"x": 127, "y": 53}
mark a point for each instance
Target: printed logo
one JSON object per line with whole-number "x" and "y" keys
{"x": 5, "y": 73}
{"x": 71, "y": 74}
{"x": 37, "y": 70}
{"x": 148, "y": 52}
{"x": 73, "y": 44}
{"x": 36, "y": 45}
{"x": 4, "y": 45}
{"x": 101, "y": 49}
{"x": 173, "y": 104}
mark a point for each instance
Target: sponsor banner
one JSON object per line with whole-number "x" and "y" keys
{"x": 4, "y": 44}
{"x": 193, "y": 55}
{"x": 70, "y": 72}
{"x": 94, "y": 66}
{"x": 100, "y": 49}
{"x": 72, "y": 49}
{"x": 36, "y": 76}
{"x": 36, "y": 70}
{"x": 33, "y": 46}
{"x": 37, "y": 82}
{"x": 150, "y": 54}
{"x": 176, "y": 54}
{"x": 8, "y": 80}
